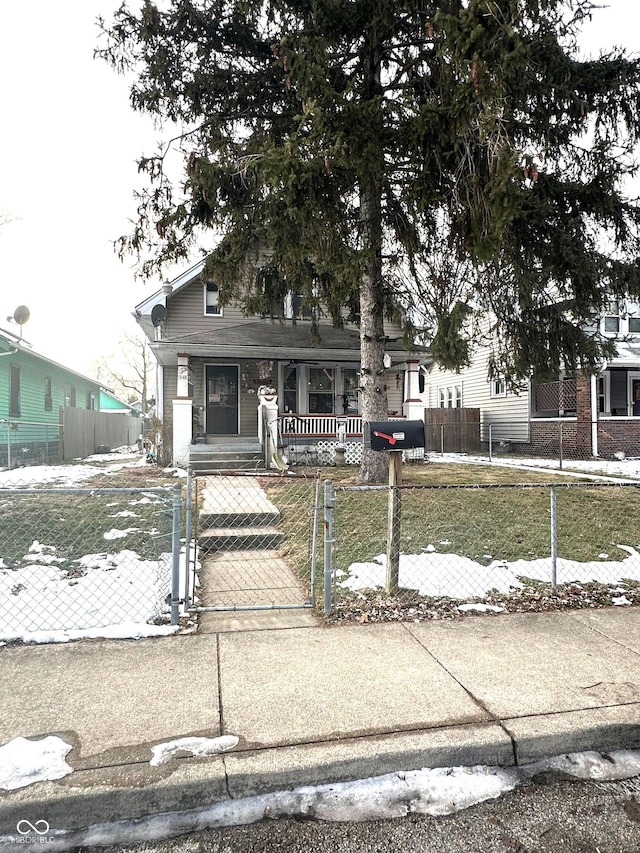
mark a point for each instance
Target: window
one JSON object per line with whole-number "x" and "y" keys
{"x": 442, "y": 398}
{"x": 290, "y": 386}
{"x": 298, "y": 310}
{"x": 350, "y": 388}
{"x": 48, "y": 398}
{"x": 70, "y": 396}
{"x": 321, "y": 391}
{"x": 612, "y": 324}
{"x": 602, "y": 395}
{"x": 91, "y": 400}
{"x": 212, "y": 299}
{"x": 457, "y": 397}
{"x": 634, "y": 324}
{"x": 498, "y": 388}
{"x": 14, "y": 390}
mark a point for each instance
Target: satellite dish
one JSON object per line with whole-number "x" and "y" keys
{"x": 158, "y": 313}
{"x": 21, "y": 315}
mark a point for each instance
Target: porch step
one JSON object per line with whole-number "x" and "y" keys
{"x": 238, "y": 520}
{"x": 239, "y": 538}
{"x": 210, "y": 457}
{"x": 202, "y": 466}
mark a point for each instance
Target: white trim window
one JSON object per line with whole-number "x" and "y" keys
{"x": 212, "y": 307}
{"x": 457, "y": 396}
{"x": 498, "y": 388}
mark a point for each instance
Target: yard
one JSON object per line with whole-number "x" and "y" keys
{"x": 477, "y": 536}
{"x": 86, "y": 548}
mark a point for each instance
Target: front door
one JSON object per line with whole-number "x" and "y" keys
{"x": 222, "y": 399}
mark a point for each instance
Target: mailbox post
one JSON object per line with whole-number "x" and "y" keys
{"x": 394, "y": 437}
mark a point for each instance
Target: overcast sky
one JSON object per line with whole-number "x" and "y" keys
{"x": 68, "y": 148}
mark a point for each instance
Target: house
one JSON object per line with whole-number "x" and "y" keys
{"x": 34, "y": 391}
{"x": 114, "y": 405}
{"x": 216, "y": 367}
{"x": 581, "y": 416}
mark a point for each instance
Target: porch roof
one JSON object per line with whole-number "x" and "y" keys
{"x": 266, "y": 339}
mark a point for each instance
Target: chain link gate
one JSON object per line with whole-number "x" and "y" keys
{"x": 250, "y": 542}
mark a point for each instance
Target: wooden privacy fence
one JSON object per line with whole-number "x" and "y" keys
{"x": 85, "y": 431}
{"x": 452, "y": 430}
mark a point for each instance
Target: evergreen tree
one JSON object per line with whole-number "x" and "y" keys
{"x": 326, "y": 142}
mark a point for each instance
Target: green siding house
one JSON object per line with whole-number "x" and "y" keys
{"x": 33, "y": 393}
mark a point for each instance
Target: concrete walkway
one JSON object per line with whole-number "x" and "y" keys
{"x": 313, "y": 704}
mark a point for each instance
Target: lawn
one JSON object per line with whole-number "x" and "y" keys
{"x": 449, "y": 533}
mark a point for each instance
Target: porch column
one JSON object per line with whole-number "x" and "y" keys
{"x": 594, "y": 415}
{"x": 182, "y": 415}
{"x": 268, "y": 423}
{"x": 413, "y": 407}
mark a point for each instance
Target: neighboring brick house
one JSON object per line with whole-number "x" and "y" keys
{"x": 212, "y": 361}
{"x": 583, "y": 416}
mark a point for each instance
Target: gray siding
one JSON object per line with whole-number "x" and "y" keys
{"x": 508, "y": 415}
{"x": 185, "y": 313}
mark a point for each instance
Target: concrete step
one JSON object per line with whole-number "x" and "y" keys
{"x": 236, "y": 520}
{"x": 239, "y": 538}
{"x": 202, "y": 466}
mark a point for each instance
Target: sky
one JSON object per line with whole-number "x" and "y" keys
{"x": 68, "y": 151}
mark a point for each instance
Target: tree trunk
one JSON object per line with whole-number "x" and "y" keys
{"x": 375, "y": 464}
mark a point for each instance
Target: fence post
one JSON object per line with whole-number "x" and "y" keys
{"x": 490, "y": 445}
{"x": 314, "y": 541}
{"x": 187, "y": 540}
{"x": 554, "y": 541}
{"x": 560, "y": 442}
{"x": 175, "y": 567}
{"x": 9, "y": 445}
{"x": 393, "y": 523}
{"x": 442, "y": 439}
{"x": 328, "y": 544}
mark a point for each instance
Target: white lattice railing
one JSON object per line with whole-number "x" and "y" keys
{"x": 317, "y": 425}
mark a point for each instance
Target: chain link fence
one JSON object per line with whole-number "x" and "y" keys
{"x": 77, "y": 559}
{"x": 562, "y": 441}
{"x": 414, "y": 552}
{"x": 254, "y": 535}
{"x": 29, "y": 443}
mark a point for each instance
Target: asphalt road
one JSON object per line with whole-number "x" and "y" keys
{"x": 570, "y": 817}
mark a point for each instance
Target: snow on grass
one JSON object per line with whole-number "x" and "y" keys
{"x": 453, "y": 576}
{"x": 433, "y": 791}
{"x": 625, "y": 469}
{"x": 23, "y": 762}
{"x": 99, "y": 590}
{"x": 163, "y": 752}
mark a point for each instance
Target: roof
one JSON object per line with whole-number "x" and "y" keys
{"x": 267, "y": 339}
{"x": 20, "y": 345}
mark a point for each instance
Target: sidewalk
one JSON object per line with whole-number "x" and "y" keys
{"x": 313, "y": 704}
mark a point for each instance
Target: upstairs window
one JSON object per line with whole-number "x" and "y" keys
{"x": 48, "y": 397}
{"x": 212, "y": 299}
{"x": 91, "y": 400}
{"x": 299, "y": 310}
{"x": 70, "y": 396}
{"x": 14, "y": 390}
{"x": 498, "y": 388}
{"x": 612, "y": 323}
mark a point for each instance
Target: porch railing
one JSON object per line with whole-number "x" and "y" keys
{"x": 318, "y": 426}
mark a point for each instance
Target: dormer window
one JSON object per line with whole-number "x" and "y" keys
{"x": 212, "y": 299}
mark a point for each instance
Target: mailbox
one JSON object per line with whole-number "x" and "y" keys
{"x": 394, "y": 435}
